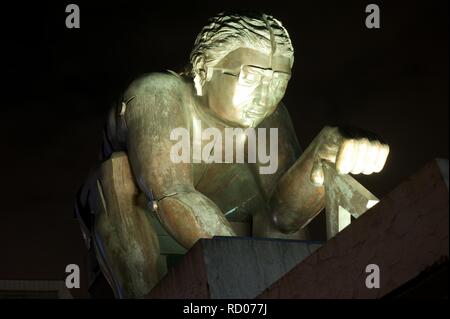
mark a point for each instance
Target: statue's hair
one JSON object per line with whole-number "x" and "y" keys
{"x": 227, "y": 32}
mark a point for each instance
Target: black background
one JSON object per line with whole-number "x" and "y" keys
{"x": 58, "y": 83}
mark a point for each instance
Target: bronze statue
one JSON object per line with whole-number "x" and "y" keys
{"x": 239, "y": 70}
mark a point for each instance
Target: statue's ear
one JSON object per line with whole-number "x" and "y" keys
{"x": 200, "y": 74}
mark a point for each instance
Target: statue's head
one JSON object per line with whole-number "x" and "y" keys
{"x": 241, "y": 64}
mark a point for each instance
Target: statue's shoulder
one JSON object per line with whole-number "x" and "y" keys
{"x": 168, "y": 83}
{"x": 157, "y": 95}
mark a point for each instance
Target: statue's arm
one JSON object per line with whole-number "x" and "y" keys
{"x": 296, "y": 200}
{"x": 156, "y": 107}
{"x": 299, "y": 194}
{"x": 293, "y": 198}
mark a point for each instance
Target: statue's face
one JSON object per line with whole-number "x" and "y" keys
{"x": 245, "y": 86}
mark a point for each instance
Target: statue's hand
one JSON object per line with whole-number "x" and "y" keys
{"x": 352, "y": 150}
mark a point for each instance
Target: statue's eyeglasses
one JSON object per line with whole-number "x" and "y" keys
{"x": 250, "y": 75}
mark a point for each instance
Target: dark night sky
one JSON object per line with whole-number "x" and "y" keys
{"x": 58, "y": 84}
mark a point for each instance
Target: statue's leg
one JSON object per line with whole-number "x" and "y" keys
{"x": 125, "y": 242}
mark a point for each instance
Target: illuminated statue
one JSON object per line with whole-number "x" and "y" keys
{"x": 240, "y": 68}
